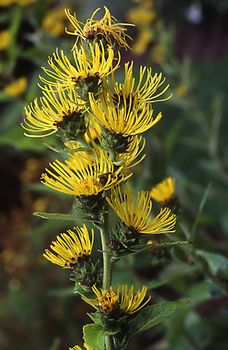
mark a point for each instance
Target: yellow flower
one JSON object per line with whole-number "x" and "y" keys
{"x": 164, "y": 192}
{"x": 158, "y": 53}
{"x": 54, "y": 21}
{"x": 86, "y": 158}
{"x": 126, "y": 117}
{"x": 182, "y": 90}
{"x": 132, "y": 157}
{"x": 70, "y": 247}
{"x": 16, "y": 88}
{"x": 55, "y": 108}
{"x": 25, "y": 2}
{"x": 137, "y": 214}
{"x": 5, "y": 3}
{"x": 80, "y": 177}
{"x": 77, "y": 347}
{"x": 4, "y": 39}
{"x": 87, "y": 69}
{"x": 122, "y": 299}
{"x": 141, "y": 15}
{"x": 149, "y": 87}
{"x": 106, "y": 28}
{"x": 144, "y": 38}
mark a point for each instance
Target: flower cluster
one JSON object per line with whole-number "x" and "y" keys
{"x": 100, "y": 123}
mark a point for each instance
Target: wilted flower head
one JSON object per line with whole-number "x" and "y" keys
{"x": 95, "y": 30}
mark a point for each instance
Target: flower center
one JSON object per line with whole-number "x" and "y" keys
{"x": 108, "y": 302}
{"x": 88, "y": 187}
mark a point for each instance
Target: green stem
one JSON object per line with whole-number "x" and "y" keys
{"x": 107, "y": 275}
{"x": 170, "y": 244}
{"x": 108, "y": 343}
{"x": 105, "y": 250}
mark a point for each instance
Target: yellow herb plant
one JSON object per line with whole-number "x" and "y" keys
{"x": 100, "y": 123}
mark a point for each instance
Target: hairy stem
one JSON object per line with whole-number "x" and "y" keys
{"x": 107, "y": 273}
{"x": 108, "y": 343}
{"x": 105, "y": 251}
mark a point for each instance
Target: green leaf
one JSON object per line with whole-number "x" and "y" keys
{"x": 62, "y": 292}
{"x": 198, "y": 292}
{"x": 83, "y": 291}
{"x": 200, "y": 210}
{"x": 151, "y": 316}
{"x": 57, "y": 216}
{"x": 14, "y": 137}
{"x": 173, "y": 272}
{"x": 94, "y": 336}
{"x": 11, "y": 116}
{"x": 216, "y": 262}
{"x": 56, "y": 344}
{"x": 172, "y": 137}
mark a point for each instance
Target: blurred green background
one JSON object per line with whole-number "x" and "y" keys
{"x": 188, "y": 42}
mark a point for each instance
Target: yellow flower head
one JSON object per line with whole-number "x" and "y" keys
{"x": 54, "y": 22}
{"x": 77, "y": 347}
{"x": 143, "y": 40}
{"x": 124, "y": 116}
{"x": 158, "y": 54}
{"x": 105, "y": 27}
{"x": 70, "y": 247}
{"x": 16, "y": 88}
{"x": 90, "y": 66}
{"x": 87, "y": 158}
{"x": 164, "y": 192}
{"x": 132, "y": 156}
{"x": 142, "y": 15}
{"x": 149, "y": 88}
{"x": 120, "y": 300}
{"x": 55, "y": 108}
{"x": 136, "y": 214}
{"x": 5, "y": 3}
{"x": 182, "y": 90}
{"x": 4, "y": 40}
{"x": 25, "y": 2}
{"x": 80, "y": 177}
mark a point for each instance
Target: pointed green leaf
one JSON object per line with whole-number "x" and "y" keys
{"x": 173, "y": 272}
{"x": 215, "y": 261}
{"x": 94, "y": 336}
{"x": 57, "y": 216}
{"x": 199, "y": 213}
{"x": 151, "y": 316}
{"x": 62, "y": 292}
